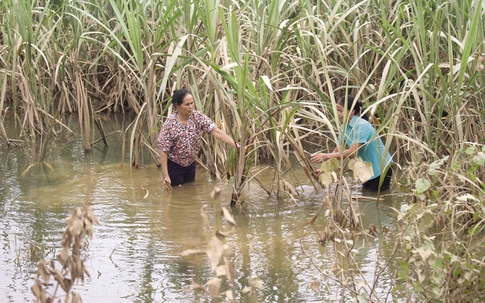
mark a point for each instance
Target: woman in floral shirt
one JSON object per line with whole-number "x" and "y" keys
{"x": 180, "y": 139}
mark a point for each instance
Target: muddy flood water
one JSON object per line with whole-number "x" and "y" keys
{"x": 135, "y": 254}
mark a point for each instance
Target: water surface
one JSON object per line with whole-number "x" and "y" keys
{"x": 134, "y": 256}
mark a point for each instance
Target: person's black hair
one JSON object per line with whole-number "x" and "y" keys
{"x": 353, "y": 104}
{"x": 179, "y": 95}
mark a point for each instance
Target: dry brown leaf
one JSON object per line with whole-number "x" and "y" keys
{"x": 82, "y": 234}
{"x": 75, "y": 222}
{"x": 221, "y": 270}
{"x": 76, "y": 268}
{"x": 68, "y": 221}
{"x": 327, "y": 172}
{"x": 214, "y": 285}
{"x": 66, "y": 284}
{"x": 204, "y": 216}
{"x": 79, "y": 224}
{"x": 197, "y": 285}
{"x": 88, "y": 225}
{"x": 66, "y": 238}
{"x": 362, "y": 170}
{"x": 224, "y": 234}
{"x": 337, "y": 270}
{"x": 325, "y": 179}
{"x": 230, "y": 295}
{"x": 90, "y": 215}
{"x": 352, "y": 163}
{"x": 76, "y": 228}
{"x": 58, "y": 276}
{"x": 37, "y": 290}
{"x": 63, "y": 256}
{"x": 217, "y": 190}
{"x": 43, "y": 271}
{"x": 214, "y": 251}
{"x": 315, "y": 286}
{"x": 227, "y": 215}
{"x": 78, "y": 213}
{"x": 229, "y": 273}
{"x": 76, "y": 298}
{"x": 86, "y": 271}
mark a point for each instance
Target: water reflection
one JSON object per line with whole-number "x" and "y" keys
{"x": 134, "y": 255}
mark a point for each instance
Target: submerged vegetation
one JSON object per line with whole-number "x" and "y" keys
{"x": 269, "y": 73}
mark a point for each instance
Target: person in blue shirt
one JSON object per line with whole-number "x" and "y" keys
{"x": 361, "y": 140}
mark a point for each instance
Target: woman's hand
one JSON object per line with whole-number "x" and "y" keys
{"x": 320, "y": 157}
{"x": 167, "y": 183}
{"x": 316, "y": 157}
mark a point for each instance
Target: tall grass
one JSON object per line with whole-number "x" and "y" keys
{"x": 267, "y": 72}
{"x": 272, "y": 68}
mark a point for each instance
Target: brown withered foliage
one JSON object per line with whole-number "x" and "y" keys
{"x": 219, "y": 263}
{"x": 72, "y": 269}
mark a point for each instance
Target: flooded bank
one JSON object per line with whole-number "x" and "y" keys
{"x": 135, "y": 255}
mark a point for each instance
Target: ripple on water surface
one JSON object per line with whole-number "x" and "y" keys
{"x": 134, "y": 255}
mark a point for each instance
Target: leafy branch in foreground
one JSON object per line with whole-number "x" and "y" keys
{"x": 442, "y": 232}
{"x": 329, "y": 171}
{"x": 215, "y": 252}
{"x": 220, "y": 265}
{"x": 79, "y": 224}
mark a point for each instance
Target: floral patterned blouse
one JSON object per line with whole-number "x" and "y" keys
{"x": 182, "y": 143}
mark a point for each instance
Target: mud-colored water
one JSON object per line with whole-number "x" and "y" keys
{"x": 134, "y": 256}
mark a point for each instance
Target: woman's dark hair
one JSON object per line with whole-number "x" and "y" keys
{"x": 179, "y": 95}
{"x": 353, "y": 104}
